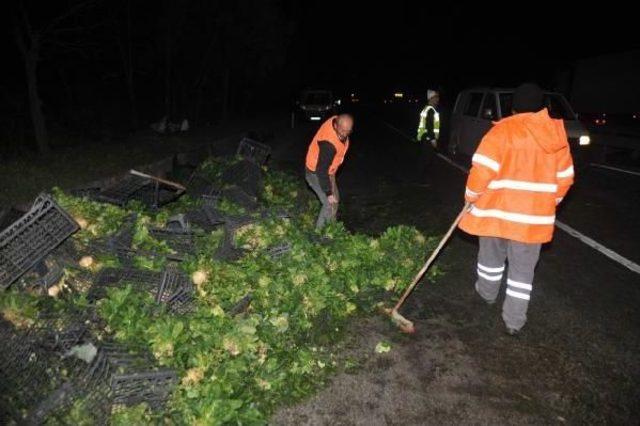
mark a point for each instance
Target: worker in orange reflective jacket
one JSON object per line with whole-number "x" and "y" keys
{"x": 520, "y": 172}
{"x": 324, "y": 157}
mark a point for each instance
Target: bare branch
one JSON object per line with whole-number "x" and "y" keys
{"x": 77, "y": 29}
{"x": 25, "y": 18}
{"x": 69, "y": 13}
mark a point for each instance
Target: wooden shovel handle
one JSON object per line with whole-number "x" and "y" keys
{"x": 166, "y": 182}
{"x": 433, "y": 256}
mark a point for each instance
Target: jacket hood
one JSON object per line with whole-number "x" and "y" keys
{"x": 547, "y": 132}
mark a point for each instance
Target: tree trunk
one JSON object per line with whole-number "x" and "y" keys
{"x": 167, "y": 75}
{"x": 37, "y": 117}
{"x": 226, "y": 87}
{"x": 129, "y": 72}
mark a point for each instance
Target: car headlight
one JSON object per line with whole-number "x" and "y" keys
{"x": 584, "y": 140}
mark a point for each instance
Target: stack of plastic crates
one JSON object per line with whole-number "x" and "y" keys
{"x": 169, "y": 287}
{"x": 32, "y": 237}
{"x": 149, "y": 191}
{"x": 253, "y": 151}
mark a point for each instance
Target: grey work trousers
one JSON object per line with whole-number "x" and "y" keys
{"x": 328, "y": 211}
{"x": 522, "y": 259}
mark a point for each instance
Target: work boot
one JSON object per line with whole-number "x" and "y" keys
{"x": 512, "y": 332}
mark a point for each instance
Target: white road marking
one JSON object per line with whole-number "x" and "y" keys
{"x": 615, "y": 169}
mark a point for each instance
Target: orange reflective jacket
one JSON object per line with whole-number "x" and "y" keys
{"x": 327, "y": 133}
{"x": 521, "y": 171}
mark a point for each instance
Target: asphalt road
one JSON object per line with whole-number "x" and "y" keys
{"x": 576, "y": 359}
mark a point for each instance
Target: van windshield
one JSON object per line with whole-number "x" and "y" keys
{"x": 556, "y": 105}
{"x": 317, "y": 98}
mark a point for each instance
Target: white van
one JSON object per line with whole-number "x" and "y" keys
{"x": 476, "y": 109}
{"x": 315, "y": 105}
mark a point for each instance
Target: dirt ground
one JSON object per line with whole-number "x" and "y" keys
{"x": 575, "y": 361}
{"x": 22, "y": 179}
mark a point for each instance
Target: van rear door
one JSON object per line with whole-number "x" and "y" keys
{"x": 471, "y": 128}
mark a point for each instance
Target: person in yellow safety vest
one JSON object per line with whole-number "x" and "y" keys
{"x": 429, "y": 126}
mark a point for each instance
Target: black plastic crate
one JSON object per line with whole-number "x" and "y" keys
{"x": 32, "y": 237}
{"x": 132, "y": 376}
{"x": 58, "y": 333}
{"x": 34, "y": 378}
{"x": 175, "y": 291}
{"x": 122, "y": 191}
{"x": 118, "y": 277}
{"x": 228, "y": 249}
{"x": 183, "y": 243}
{"x": 52, "y": 275}
{"x": 117, "y": 376}
{"x": 238, "y": 196}
{"x": 50, "y": 270}
{"x": 150, "y": 190}
{"x": 253, "y": 151}
{"x": 214, "y": 216}
{"x": 87, "y": 191}
{"x": 279, "y": 250}
{"x": 241, "y": 305}
{"x": 206, "y": 218}
{"x": 199, "y": 185}
{"x": 246, "y": 175}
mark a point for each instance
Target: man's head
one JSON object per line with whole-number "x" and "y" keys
{"x": 433, "y": 97}
{"x": 527, "y": 97}
{"x": 343, "y": 126}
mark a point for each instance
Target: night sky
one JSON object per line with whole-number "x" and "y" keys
{"x": 410, "y": 44}
{"x": 207, "y": 59}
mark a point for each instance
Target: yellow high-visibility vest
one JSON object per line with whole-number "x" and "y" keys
{"x": 422, "y": 125}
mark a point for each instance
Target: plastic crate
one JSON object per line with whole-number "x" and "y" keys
{"x": 149, "y": 191}
{"x": 117, "y": 376}
{"x": 228, "y": 250}
{"x": 206, "y": 217}
{"x": 53, "y": 275}
{"x": 175, "y": 291}
{"x": 87, "y": 191}
{"x": 211, "y": 200}
{"x": 241, "y": 305}
{"x": 34, "y": 379}
{"x": 132, "y": 376}
{"x": 51, "y": 269}
{"x": 214, "y": 216}
{"x": 253, "y": 151}
{"x": 279, "y": 250}
{"x": 199, "y": 185}
{"x": 246, "y": 175}
{"x": 29, "y": 239}
{"x": 118, "y": 277}
{"x": 122, "y": 191}
{"x": 182, "y": 242}
{"x": 238, "y": 196}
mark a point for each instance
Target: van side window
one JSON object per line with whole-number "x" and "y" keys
{"x": 506, "y": 104}
{"x": 489, "y": 107}
{"x": 557, "y": 108}
{"x": 473, "y": 106}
